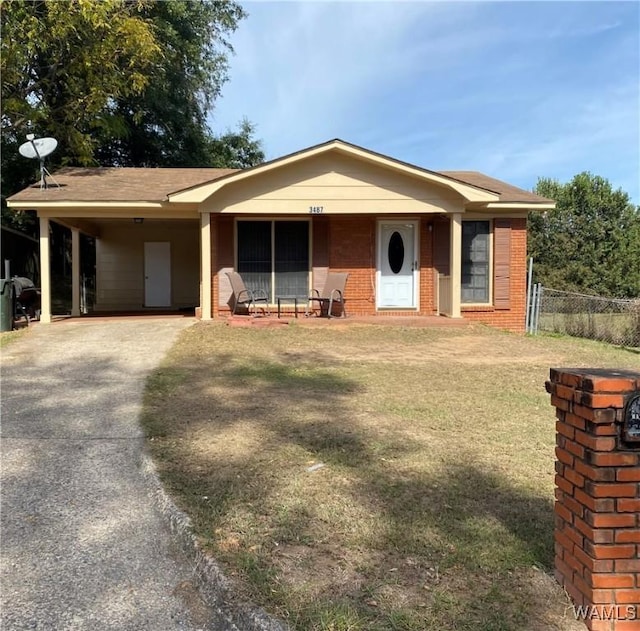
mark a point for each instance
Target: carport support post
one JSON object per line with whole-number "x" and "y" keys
{"x": 75, "y": 272}
{"x": 205, "y": 266}
{"x": 455, "y": 264}
{"x": 45, "y": 272}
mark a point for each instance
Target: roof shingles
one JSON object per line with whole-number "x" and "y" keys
{"x": 507, "y": 192}
{"x": 115, "y": 184}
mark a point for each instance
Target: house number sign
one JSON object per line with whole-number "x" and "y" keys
{"x": 632, "y": 419}
{"x": 316, "y": 210}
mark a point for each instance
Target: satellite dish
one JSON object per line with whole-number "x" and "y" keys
{"x": 39, "y": 148}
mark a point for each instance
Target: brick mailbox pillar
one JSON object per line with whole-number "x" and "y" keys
{"x": 597, "y": 532}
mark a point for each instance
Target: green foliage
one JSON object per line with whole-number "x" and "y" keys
{"x": 590, "y": 243}
{"x": 236, "y": 150}
{"x": 15, "y": 174}
{"x": 117, "y": 82}
{"x": 63, "y": 63}
{"x": 165, "y": 124}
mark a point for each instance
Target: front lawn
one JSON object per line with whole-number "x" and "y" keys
{"x": 359, "y": 477}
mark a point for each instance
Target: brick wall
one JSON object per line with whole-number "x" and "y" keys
{"x": 597, "y": 532}
{"x": 222, "y": 260}
{"x": 352, "y": 249}
{"x": 427, "y": 277}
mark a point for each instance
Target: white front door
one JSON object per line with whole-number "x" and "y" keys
{"x": 397, "y": 264}
{"x": 157, "y": 274}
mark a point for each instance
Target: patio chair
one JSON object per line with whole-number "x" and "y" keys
{"x": 246, "y": 297}
{"x": 332, "y": 295}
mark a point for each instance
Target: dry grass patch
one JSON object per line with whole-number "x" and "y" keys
{"x": 7, "y": 337}
{"x": 371, "y": 477}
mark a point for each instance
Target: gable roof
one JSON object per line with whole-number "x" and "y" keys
{"x": 139, "y": 184}
{"x": 470, "y": 192}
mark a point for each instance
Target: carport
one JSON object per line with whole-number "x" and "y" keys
{"x": 147, "y": 249}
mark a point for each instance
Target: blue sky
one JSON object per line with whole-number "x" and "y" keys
{"x": 517, "y": 90}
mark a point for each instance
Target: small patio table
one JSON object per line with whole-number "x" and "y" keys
{"x": 293, "y": 299}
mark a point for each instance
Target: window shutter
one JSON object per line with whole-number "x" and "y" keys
{"x": 225, "y": 243}
{"x": 441, "y": 239}
{"x": 502, "y": 264}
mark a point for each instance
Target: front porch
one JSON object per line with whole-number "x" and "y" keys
{"x": 458, "y": 265}
{"x": 397, "y": 266}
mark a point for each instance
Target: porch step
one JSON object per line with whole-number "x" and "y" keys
{"x": 246, "y": 321}
{"x": 411, "y": 320}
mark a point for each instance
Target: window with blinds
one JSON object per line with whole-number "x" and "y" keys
{"x": 475, "y": 262}
{"x": 274, "y": 256}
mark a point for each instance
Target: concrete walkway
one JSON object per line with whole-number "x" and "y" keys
{"x": 82, "y": 544}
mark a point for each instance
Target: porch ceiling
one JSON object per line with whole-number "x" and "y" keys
{"x": 93, "y": 226}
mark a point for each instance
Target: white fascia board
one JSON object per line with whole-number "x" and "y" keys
{"x": 519, "y": 206}
{"x": 97, "y": 210}
{"x": 478, "y": 213}
{"x": 36, "y": 205}
{"x": 340, "y": 212}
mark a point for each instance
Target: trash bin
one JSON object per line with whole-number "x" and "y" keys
{"x": 6, "y": 305}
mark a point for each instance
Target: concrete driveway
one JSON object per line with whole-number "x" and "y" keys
{"x": 82, "y": 544}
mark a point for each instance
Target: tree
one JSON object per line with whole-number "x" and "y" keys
{"x": 590, "y": 242}
{"x": 63, "y": 63}
{"x": 165, "y": 123}
{"x": 117, "y": 82}
{"x": 236, "y": 150}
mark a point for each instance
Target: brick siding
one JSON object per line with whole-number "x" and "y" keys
{"x": 427, "y": 276}
{"x": 352, "y": 248}
{"x": 352, "y": 243}
{"x": 597, "y": 509}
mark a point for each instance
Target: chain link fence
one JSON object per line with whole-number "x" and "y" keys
{"x": 604, "y": 319}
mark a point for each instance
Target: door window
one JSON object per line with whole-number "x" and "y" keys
{"x": 395, "y": 252}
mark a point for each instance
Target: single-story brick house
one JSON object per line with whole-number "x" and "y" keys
{"x": 414, "y": 241}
